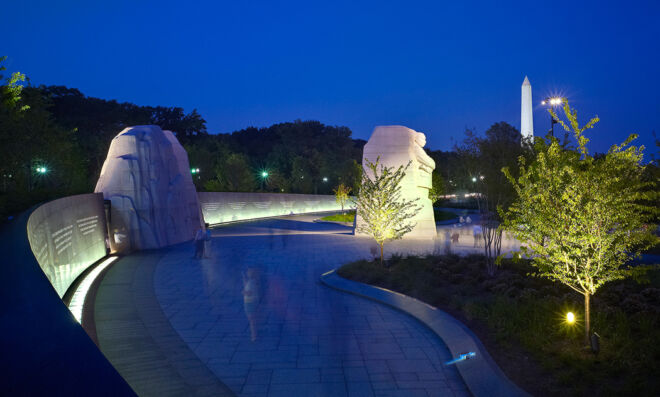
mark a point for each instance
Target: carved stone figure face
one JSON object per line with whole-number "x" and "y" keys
{"x": 420, "y": 139}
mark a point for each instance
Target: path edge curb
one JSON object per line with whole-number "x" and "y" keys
{"x": 481, "y": 374}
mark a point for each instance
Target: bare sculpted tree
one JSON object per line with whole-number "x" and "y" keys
{"x": 482, "y": 159}
{"x": 385, "y": 213}
{"x": 583, "y": 218}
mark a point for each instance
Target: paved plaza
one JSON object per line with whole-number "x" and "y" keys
{"x": 304, "y": 339}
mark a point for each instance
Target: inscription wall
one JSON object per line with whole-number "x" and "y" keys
{"x": 66, "y": 236}
{"x": 222, "y": 207}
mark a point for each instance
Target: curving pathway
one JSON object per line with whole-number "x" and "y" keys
{"x": 309, "y": 340}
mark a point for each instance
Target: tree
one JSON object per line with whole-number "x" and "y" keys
{"x": 385, "y": 214}
{"x": 341, "y": 195}
{"x": 437, "y": 187}
{"x": 10, "y": 91}
{"x": 582, "y": 218}
{"x": 483, "y": 159}
{"x": 233, "y": 175}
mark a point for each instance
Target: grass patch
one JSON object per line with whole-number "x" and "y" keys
{"x": 520, "y": 320}
{"x": 347, "y": 217}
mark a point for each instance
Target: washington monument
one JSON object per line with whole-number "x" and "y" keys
{"x": 526, "y": 117}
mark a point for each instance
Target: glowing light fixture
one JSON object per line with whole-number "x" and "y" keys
{"x": 78, "y": 299}
{"x": 325, "y": 179}
{"x": 474, "y": 179}
{"x": 42, "y": 170}
{"x": 570, "y": 318}
{"x": 462, "y": 357}
{"x": 194, "y": 170}
{"x": 264, "y": 174}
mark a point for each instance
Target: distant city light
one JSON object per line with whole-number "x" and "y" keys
{"x": 194, "y": 170}
{"x": 325, "y": 179}
{"x": 264, "y": 174}
{"x": 42, "y": 170}
{"x": 474, "y": 179}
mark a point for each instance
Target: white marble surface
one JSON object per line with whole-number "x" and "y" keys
{"x": 526, "y": 115}
{"x": 397, "y": 145}
{"x": 147, "y": 177}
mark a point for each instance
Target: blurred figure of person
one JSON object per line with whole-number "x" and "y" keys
{"x": 207, "y": 241}
{"x": 461, "y": 220}
{"x": 468, "y": 219}
{"x": 374, "y": 252}
{"x": 476, "y": 234}
{"x": 454, "y": 238}
{"x": 199, "y": 243}
{"x": 447, "y": 242}
{"x": 251, "y": 299}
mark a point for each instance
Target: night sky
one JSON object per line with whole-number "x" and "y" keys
{"x": 437, "y": 66}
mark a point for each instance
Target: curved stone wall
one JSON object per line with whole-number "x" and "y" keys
{"x": 67, "y": 236}
{"x": 44, "y": 351}
{"x": 222, "y": 207}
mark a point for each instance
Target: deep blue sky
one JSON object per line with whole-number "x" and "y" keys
{"x": 435, "y": 66}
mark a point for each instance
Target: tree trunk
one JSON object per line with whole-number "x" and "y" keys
{"x": 587, "y": 319}
{"x": 381, "y": 254}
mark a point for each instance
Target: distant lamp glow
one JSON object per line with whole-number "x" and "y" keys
{"x": 194, "y": 170}
{"x": 474, "y": 179}
{"x": 264, "y": 174}
{"x": 42, "y": 170}
{"x": 325, "y": 179}
{"x": 570, "y": 318}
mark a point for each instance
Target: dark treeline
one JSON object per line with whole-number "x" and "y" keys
{"x": 54, "y": 140}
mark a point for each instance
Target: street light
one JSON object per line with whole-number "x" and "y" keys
{"x": 42, "y": 170}
{"x": 553, "y": 102}
{"x": 264, "y": 176}
{"x": 474, "y": 179}
{"x": 325, "y": 179}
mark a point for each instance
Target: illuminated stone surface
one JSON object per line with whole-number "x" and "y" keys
{"x": 526, "y": 116}
{"x": 397, "y": 145}
{"x": 66, "y": 236}
{"x": 147, "y": 177}
{"x": 221, "y": 207}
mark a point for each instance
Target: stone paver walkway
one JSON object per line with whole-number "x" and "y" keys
{"x": 309, "y": 340}
{"x": 139, "y": 341}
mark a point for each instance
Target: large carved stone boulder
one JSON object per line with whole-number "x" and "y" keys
{"x": 147, "y": 178}
{"x": 396, "y": 145}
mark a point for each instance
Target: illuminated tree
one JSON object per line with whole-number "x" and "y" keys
{"x": 437, "y": 186}
{"x": 582, "y": 219}
{"x": 385, "y": 213}
{"x": 341, "y": 195}
{"x": 10, "y": 91}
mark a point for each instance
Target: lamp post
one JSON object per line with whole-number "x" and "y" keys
{"x": 264, "y": 176}
{"x": 553, "y": 102}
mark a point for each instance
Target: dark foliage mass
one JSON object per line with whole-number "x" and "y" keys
{"x": 69, "y": 134}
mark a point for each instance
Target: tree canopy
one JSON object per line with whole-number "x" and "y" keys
{"x": 582, "y": 218}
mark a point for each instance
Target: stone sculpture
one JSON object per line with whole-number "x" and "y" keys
{"x": 526, "y": 116}
{"x": 396, "y": 145}
{"x": 147, "y": 178}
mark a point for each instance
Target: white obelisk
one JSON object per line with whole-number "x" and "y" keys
{"x": 526, "y": 116}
